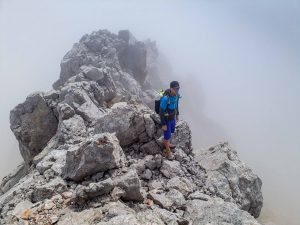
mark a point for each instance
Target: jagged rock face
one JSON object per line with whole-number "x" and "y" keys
{"x": 111, "y": 52}
{"x": 231, "y": 179}
{"x": 33, "y": 123}
{"x": 127, "y": 121}
{"x": 96, "y": 154}
{"x": 92, "y": 151}
{"x": 217, "y": 211}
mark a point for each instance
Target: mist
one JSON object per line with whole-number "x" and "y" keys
{"x": 238, "y": 63}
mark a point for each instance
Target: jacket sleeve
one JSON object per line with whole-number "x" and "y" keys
{"x": 162, "y": 109}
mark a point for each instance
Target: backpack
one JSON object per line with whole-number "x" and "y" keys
{"x": 161, "y": 93}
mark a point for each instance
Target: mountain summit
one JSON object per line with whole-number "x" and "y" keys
{"x": 93, "y": 154}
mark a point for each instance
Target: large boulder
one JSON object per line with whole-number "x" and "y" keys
{"x": 231, "y": 179}
{"x": 33, "y": 123}
{"x": 217, "y": 211}
{"x": 182, "y": 137}
{"x": 127, "y": 121}
{"x": 100, "y": 152}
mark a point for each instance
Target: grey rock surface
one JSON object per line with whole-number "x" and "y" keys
{"x": 33, "y": 123}
{"x": 92, "y": 150}
{"x": 217, "y": 211}
{"x": 232, "y": 179}
{"x": 98, "y": 153}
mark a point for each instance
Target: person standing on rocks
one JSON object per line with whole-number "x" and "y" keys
{"x": 169, "y": 114}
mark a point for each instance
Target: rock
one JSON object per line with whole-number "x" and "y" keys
{"x": 105, "y": 89}
{"x": 65, "y": 111}
{"x": 48, "y": 204}
{"x": 10, "y": 180}
{"x": 117, "y": 213}
{"x": 167, "y": 216}
{"x": 93, "y": 152}
{"x": 155, "y": 184}
{"x": 181, "y": 184}
{"x": 160, "y": 199}
{"x": 171, "y": 199}
{"x": 171, "y": 169}
{"x": 153, "y": 162}
{"x": 55, "y": 160}
{"x": 182, "y": 137}
{"x": 128, "y": 182}
{"x": 127, "y": 36}
{"x": 180, "y": 155}
{"x": 92, "y": 73}
{"x": 54, "y": 219}
{"x": 85, "y": 217}
{"x": 131, "y": 185}
{"x": 216, "y": 211}
{"x": 117, "y": 193}
{"x": 230, "y": 178}
{"x": 71, "y": 131}
{"x": 96, "y": 177}
{"x": 139, "y": 166}
{"x": 149, "y": 125}
{"x": 97, "y": 154}
{"x": 126, "y": 120}
{"x": 67, "y": 194}
{"x": 151, "y": 148}
{"x": 26, "y": 215}
{"x": 21, "y": 209}
{"x": 33, "y": 124}
{"x": 133, "y": 56}
{"x": 199, "y": 195}
{"x": 147, "y": 174}
{"x": 76, "y": 95}
{"x": 177, "y": 198}
{"x": 55, "y": 186}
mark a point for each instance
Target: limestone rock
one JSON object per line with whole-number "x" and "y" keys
{"x": 41, "y": 192}
{"x": 126, "y": 120}
{"x": 171, "y": 168}
{"x": 98, "y": 153}
{"x": 93, "y": 152}
{"x": 216, "y": 211}
{"x": 183, "y": 137}
{"x": 230, "y": 178}
{"x": 129, "y": 183}
{"x": 151, "y": 148}
{"x": 33, "y": 124}
{"x": 181, "y": 184}
{"x": 85, "y": 217}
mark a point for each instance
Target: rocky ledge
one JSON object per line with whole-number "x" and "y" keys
{"x": 92, "y": 151}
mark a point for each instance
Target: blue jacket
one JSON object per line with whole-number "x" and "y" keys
{"x": 171, "y": 108}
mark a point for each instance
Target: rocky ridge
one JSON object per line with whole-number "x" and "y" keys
{"x": 92, "y": 150}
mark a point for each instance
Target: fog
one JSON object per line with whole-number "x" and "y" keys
{"x": 238, "y": 63}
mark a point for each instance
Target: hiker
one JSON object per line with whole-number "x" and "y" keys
{"x": 169, "y": 114}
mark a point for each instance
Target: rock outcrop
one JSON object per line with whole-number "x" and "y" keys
{"x": 93, "y": 154}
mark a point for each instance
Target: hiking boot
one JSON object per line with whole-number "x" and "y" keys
{"x": 168, "y": 154}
